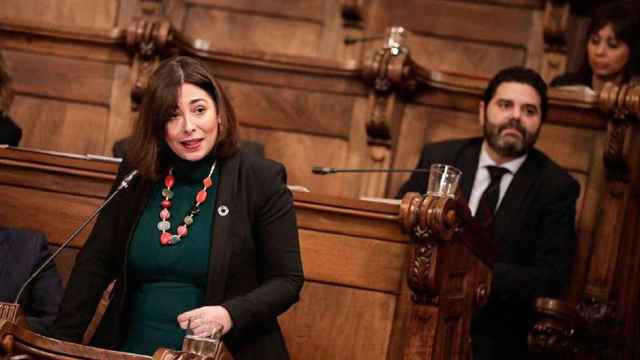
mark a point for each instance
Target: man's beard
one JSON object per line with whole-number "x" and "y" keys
{"x": 509, "y": 146}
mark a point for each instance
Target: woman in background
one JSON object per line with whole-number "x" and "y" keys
{"x": 206, "y": 237}
{"x": 612, "y": 48}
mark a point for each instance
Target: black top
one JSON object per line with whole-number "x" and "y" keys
{"x": 10, "y": 133}
{"x": 255, "y": 270}
{"x": 570, "y": 79}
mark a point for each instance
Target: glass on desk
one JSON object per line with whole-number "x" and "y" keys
{"x": 209, "y": 347}
{"x": 443, "y": 180}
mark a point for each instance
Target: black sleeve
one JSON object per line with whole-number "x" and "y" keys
{"x": 554, "y": 250}
{"x": 45, "y": 294}
{"x": 93, "y": 270}
{"x": 278, "y": 254}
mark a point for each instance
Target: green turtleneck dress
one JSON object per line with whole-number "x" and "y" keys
{"x": 166, "y": 281}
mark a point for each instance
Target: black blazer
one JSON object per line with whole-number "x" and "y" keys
{"x": 534, "y": 229}
{"x": 255, "y": 270}
{"x": 21, "y": 253}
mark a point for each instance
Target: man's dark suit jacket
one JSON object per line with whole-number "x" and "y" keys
{"x": 534, "y": 228}
{"x": 21, "y": 253}
{"x": 255, "y": 270}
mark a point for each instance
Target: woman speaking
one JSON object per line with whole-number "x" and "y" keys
{"x": 206, "y": 237}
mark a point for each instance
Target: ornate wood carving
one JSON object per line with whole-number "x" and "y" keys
{"x": 147, "y": 40}
{"x": 556, "y": 19}
{"x": 622, "y": 104}
{"x": 389, "y": 71}
{"x": 555, "y": 332}
{"x": 446, "y": 278}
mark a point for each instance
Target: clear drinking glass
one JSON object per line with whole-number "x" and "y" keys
{"x": 208, "y": 347}
{"x": 443, "y": 180}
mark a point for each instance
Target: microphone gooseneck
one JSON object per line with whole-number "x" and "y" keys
{"x": 123, "y": 185}
{"x": 321, "y": 170}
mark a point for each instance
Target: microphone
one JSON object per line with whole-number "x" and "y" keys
{"x": 348, "y": 40}
{"x": 320, "y": 170}
{"x": 123, "y": 185}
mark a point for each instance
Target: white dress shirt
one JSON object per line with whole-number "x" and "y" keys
{"x": 483, "y": 179}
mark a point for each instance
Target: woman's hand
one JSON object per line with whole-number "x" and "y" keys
{"x": 204, "y": 321}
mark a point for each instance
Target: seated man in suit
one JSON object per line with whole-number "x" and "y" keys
{"x": 21, "y": 253}
{"x": 526, "y": 198}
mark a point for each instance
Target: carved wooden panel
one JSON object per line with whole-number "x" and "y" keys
{"x": 310, "y": 28}
{"x": 324, "y": 255}
{"x": 464, "y": 56}
{"x": 59, "y": 125}
{"x": 81, "y": 13}
{"x": 55, "y": 214}
{"x": 50, "y": 77}
{"x": 288, "y": 148}
{"x": 471, "y": 37}
{"x": 335, "y": 322}
{"x": 300, "y": 110}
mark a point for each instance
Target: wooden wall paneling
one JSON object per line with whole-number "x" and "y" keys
{"x": 275, "y": 107}
{"x": 455, "y": 36}
{"x": 408, "y": 147}
{"x": 120, "y": 123}
{"x": 588, "y": 212}
{"x": 438, "y": 124}
{"x": 626, "y": 273}
{"x": 96, "y": 45}
{"x": 60, "y": 125}
{"x": 80, "y": 13}
{"x": 358, "y": 154}
{"x": 296, "y": 152}
{"x": 535, "y": 43}
{"x": 22, "y": 208}
{"x": 347, "y": 221}
{"x": 464, "y": 56}
{"x": 336, "y": 322}
{"x": 324, "y": 256}
{"x": 577, "y": 148}
{"x": 308, "y": 9}
{"x": 66, "y": 110}
{"x": 609, "y": 227}
{"x": 261, "y": 32}
{"x": 455, "y": 19}
{"x": 175, "y": 11}
{"x": 50, "y": 76}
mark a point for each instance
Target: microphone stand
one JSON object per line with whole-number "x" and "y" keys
{"x": 11, "y": 311}
{"x": 320, "y": 170}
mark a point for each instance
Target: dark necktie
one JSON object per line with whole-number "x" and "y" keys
{"x": 490, "y": 196}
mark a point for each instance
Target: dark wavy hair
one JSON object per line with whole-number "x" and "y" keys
{"x": 518, "y": 74}
{"x": 623, "y": 18}
{"x": 147, "y": 150}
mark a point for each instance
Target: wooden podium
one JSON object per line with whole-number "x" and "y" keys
{"x": 382, "y": 281}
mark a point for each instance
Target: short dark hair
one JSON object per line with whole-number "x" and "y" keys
{"x": 521, "y": 75}
{"x": 148, "y": 151}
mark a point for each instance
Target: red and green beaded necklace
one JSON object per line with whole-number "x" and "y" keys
{"x": 164, "y": 226}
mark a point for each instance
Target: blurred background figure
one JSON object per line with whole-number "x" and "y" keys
{"x": 611, "y": 48}
{"x": 10, "y": 133}
{"x": 21, "y": 253}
